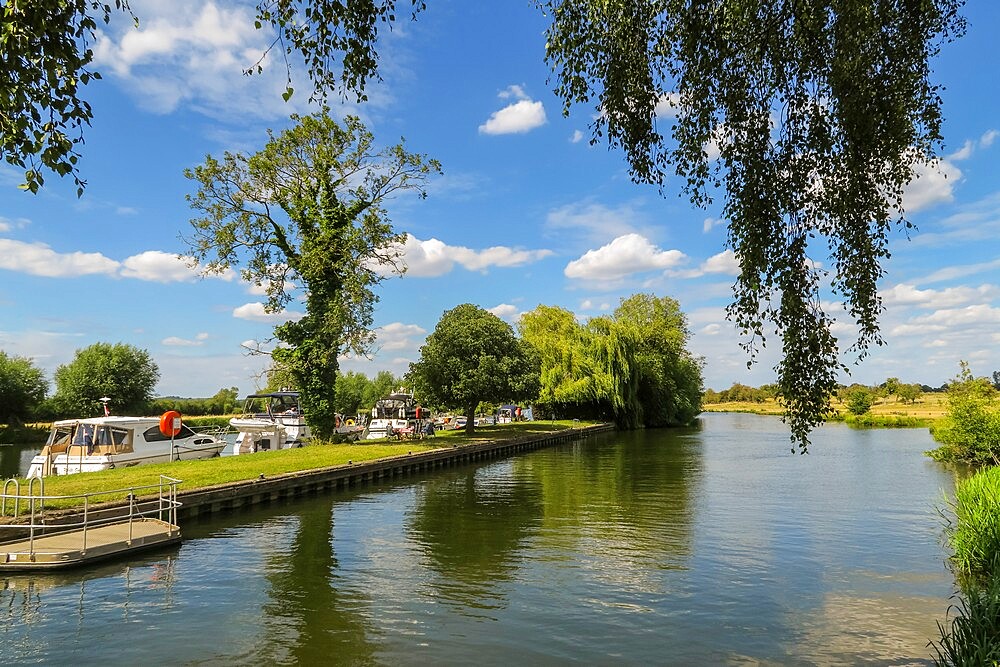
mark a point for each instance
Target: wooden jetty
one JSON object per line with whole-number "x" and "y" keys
{"x": 96, "y": 535}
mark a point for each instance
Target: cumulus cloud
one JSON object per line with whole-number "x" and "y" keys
{"x": 431, "y": 258}
{"x": 398, "y": 336}
{"x": 506, "y": 311}
{"x": 909, "y": 295}
{"x": 157, "y": 266}
{"x": 626, "y": 255}
{"x": 519, "y": 117}
{"x": 175, "y": 341}
{"x": 711, "y": 223}
{"x": 933, "y": 183}
{"x": 38, "y": 259}
{"x": 194, "y": 52}
{"x": 255, "y": 313}
{"x": 577, "y": 137}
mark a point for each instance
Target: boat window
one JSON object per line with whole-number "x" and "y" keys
{"x": 153, "y": 434}
{"x": 84, "y": 435}
{"x": 60, "y": 435}
{"x": 108, "y": 435}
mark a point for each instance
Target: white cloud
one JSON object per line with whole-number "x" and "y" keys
{"x": 909, "y": 295}
{"x": 431, "y": 258}
{"x": 175, "y": 341}
{"x": 667, "y": 105}
{"x": 193, "y": 52}
{"x": 255, "y": 312}
{"x": 506, "y": 311}
{"x": 711, "y": 223}
{"x": 398, "y": 336}
{"x": 577, "y": 137}
{"x": 963, "y": 153}
{"x": 517, "y": 118}
{"x": 157, "y": 266}
{"x": 626, "y": 255}
{"x": 932, "y": 184}
{"x": 38, "y": 259}
{"x": 988, "y": 138}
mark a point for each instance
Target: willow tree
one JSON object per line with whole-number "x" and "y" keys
{"x": 632, "y": 366}
{"x": 305, "y": 218}
{"x": 808, "y": 116}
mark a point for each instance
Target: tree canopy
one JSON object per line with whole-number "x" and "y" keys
{"x": 304, "y": 218}
{"x": 22, "y": 388}
{"x": 123, "y": 373}
{"x": 473, "y": 356}
{"x": 633, "y": 367}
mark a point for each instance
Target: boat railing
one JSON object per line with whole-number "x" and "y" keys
{"x": 142, "y": 506}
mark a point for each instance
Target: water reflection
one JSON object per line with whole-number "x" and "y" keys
{"x": 710, "y": 546}
{"x": 472, "y": 527}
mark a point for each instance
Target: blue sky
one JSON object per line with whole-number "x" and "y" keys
{"x": 527, "y": 212}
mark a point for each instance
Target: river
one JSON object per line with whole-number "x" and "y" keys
{"x": 706, "y": 546}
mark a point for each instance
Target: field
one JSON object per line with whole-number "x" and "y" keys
{"x": 927, "y": 408}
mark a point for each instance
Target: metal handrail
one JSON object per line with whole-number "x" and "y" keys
{"x": 166, "y": 504}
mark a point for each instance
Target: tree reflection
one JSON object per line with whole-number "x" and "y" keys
{"x": 313, "y": 618}
{"x": 472, "y": 527}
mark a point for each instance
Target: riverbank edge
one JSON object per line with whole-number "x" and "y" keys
{"x": 231, "y": 496}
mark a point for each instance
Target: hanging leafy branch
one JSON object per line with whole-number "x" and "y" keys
{"x": 810, "y": 117}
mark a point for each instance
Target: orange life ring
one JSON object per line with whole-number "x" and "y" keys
{"x": 170, "y": 423}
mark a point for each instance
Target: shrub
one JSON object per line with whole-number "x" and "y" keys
{"x": 971, "y": 430}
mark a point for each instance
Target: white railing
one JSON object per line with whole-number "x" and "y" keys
{"x": 163, "y": 507}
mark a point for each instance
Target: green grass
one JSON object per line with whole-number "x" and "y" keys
{"x": 972, "y": 635}
{"x": 227, "y": 469}
{"x": 975, "y": 535}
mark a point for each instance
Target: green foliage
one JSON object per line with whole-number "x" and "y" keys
{"x": 46, "y": 57}
{"x": 975, "y": 536}
{"x": 22, "y": 389}
{"x": 859, "y": 399}
{"x": 304, "y": 218}
{"x": 124, "y": 373}
{"x": 335, "y": 39}
{"x": 223, "y": 403}
{"x": 818, "y": 113}
{"x": 740, "y": 393}
{"x": 632, "y": 366}
{"x": 972, "y": 637}
{"x": 970, "y": 431}
{"x": 473, "y": 356}
{"x": 909, "y": 393}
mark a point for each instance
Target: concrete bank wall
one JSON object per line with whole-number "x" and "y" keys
{"x": 289, "y": 485}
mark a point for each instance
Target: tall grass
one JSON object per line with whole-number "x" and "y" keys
{"x": 975, "y": 537}
{"x": 972, "y": 636}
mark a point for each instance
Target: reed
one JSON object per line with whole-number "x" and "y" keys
{"x": 975, "y": 535}
{"x": 972, "y": 635}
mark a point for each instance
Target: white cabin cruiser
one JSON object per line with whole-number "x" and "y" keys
{"x": 103, "y": 443}
{"x": 270, "y": 421}
{"x": 396, "y": 413}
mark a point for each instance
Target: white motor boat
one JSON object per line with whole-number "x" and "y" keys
{"x": 397, "y": 413}
{"x": 103, "y": 443}
{"x": 270, "y": 421}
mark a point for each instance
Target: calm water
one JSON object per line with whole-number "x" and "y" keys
{"x": 709, "y": 546}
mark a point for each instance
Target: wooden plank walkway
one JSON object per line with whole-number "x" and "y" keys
{"x": 80, "y": 546}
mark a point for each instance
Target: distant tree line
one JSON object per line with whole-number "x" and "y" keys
{"x": 858, "y": 398}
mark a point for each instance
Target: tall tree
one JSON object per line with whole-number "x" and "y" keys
{"x": 22, "y": 388}
{"x": 123, "y": 373}
{"x": 473, "y": 356}
{"x": 811, "y": 116}
{"x": 305, "y": 218}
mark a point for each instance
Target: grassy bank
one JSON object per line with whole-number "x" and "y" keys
{"x": 228, "y": 469}
{"x": 887, "y": 413}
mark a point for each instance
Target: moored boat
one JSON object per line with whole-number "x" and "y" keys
{"x": 396, "y": 413}
{"x": 270, "y": 421}
{"x": 103, "y": 443}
